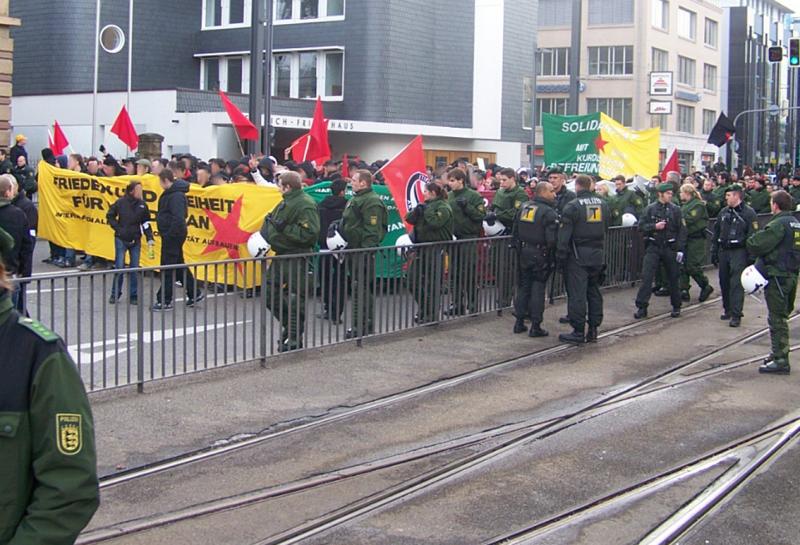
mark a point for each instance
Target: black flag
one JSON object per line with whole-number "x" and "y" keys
{"x": 722, "y": 132}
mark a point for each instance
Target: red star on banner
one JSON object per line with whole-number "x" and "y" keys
{"x": 229, "y": 236}
{"x": 599, "y": 143}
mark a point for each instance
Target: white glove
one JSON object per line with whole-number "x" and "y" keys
{"x": 679, "y": 257}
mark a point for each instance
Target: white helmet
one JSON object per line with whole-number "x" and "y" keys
{"x": 403, "y": 243}
{"x": 753, "y": 280}
{"x": 257, "y": 245}
{"x": 336, "y": 241}
{"x": 628, "y": 220}
{"x": 493, "y": 230}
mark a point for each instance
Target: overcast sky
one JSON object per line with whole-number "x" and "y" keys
{"x": 794, "y": 4}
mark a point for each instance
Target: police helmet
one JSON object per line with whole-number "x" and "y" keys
{"x": 403, "y": 243}
{"x": 257, "y": 245}
{"x": 628, "y": 220}
{"x": 493, "y": 229}
{"x": 753, "y": 280}
{"x": 336, "y": 241}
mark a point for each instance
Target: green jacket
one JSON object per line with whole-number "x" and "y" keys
{"x": 468, "y": 212}
{"x": 293, "y": 227}
{"x": 6, "y": 242}
{"x": 48, "y": 481}
{"x": 695, "y": 216}
{"x": 506, "y": 203}
{"x": 364, "y": 220}
{"x": 626, "y": 201}
{"x": 766, "y": 243}
{"x": 759, "y": 199}
{"x": 432, "y": 221}
{"x": 713, "y": 204}
{"x": 794, "y": 191}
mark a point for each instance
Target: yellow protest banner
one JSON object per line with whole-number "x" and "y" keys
{"x": 626, "y": 151}
{"x": 73, "y": 208}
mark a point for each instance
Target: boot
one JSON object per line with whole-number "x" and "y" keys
{"x": 641, "y": 312}
{"x": 563, "y": 320}
{"x": 736, "y": 321}
{"x": 537, "y": 331}
{"x": 519, "y": 326}
{"x": 661, "y": 292}
{"x": 705, "y": 293}
{"x": 676, "y": 312}
{"x": 591, "y": 334}
{"x": 775, "y": 367}
{"x": 576, "y": 337}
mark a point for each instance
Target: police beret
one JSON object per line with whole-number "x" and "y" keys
{"x": 555, "y": 170}
{"x": 666, "y": 186}
{"x": 734, "y": 187}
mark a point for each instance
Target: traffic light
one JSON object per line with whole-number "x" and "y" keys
{"x": 794, "y": 51}
{"x": 775, "y": 53}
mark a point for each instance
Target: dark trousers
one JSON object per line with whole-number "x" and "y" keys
{"x": 172, "y": 254}
{"x": 425, "y": 277}
{"x": 362, "y": 278}
{"x": 531, "y": 287}
{"x": 584, "y": 300}
{"x": 332, "y": 285}
{"x": 287, "y": 283}
{"x": 504, "y": 273}
{"x": 653, "y": 257}
{"x": 731, "y": 265}
{"x": 780, "y": 293}
{"x": 464, "y": 277}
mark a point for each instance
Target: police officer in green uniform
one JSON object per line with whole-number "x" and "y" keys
{"x": 364, "y": 224}
{"x": 707, "y": 195}
{"x": 292, "y": 228}
{"x": 723, "y": 183}
{"x": 468, "y": 213}
{"x": 433, "y": 222}
{"x": 581, "y": 236}
{"x": 48, "y": 469}
{"x": 777, "y": 247}
{"x": 665, "y": 241}
{"x": 758, "y": 197}
{"x": 534, "y": 235}
{"x": 508, "y": 199}
{"x": 695, "y": 216}
{"x": 794, "y": 190}
{"x": 734, "y": 225}
{"x": 626, "y": 201}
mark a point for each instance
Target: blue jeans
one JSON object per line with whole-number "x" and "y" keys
{"x": 120, "y": 249}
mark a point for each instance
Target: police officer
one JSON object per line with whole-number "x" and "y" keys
{"x": 534, "y": 234}
{"x": 695, "y": 216}
{"x": 508, "y": 199}
{"x": 48, "y": 481}
{"x": 468, "y": 213}
{"x": 584, "y": 223}
{"x": 758, "y": 197}
{"x": 707, "y": 194}
{"x": 778, "y": 250}
{"x": 292, "y": 228}
{"x": 364, "y": 224}
{"x": 665, "y": 240}
{"x": 626, "y": 201}
{"x": 735, "y": 223}
{"x": 794, "y": 189}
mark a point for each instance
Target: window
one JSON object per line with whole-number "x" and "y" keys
{"x": 658, "y": 122}
{"x": 686, "y": 161}
{"x": 710, "y": 34}
{"x": 685, "y": 118}
{"x": 660, "y": 14}
{"x": 229, "y": 74}
{"x": 308, "y": 74}
{"x": 710, "y": 77}
{"x": 686, "y": 70}
{"x": 618, "y": 108}
{"x": 555, "y": 13}
{"x": 302, "y": 10}
{"x": 613, "y": 60}
{"x": 709, "y": 120}
{"x": 224, "y": 13}
{"x": 610, "y": 12}
{"x": 557, "y": 106}
{"x": 660, "y": 61}
{"x": 687, "y": 21}
{"x": 552, "y": 62}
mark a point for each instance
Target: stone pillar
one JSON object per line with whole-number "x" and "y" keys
{"x": 6, "y": 69}
{"x": 149, "y": 145}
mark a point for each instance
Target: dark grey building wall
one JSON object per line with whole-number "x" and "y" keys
{"x": 519, "y": 27}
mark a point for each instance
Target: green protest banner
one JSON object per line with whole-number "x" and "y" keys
{"x": 571, "y": 142}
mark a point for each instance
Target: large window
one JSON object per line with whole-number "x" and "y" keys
{"x": 610, "y": 12}
{"x": 709, "y": 120}
{"x": 303, "y": 10}
{"x": 224, "y": 13}
{"x": 686, "y": 70}
{"x": 620, "y": 109}
{"x": 710, "y": 33}
{"x": 710, "y": 77}
{"x": 612, "y": 60}
{"x": 687, "y": 24}
{"x": 660, "y": 15}
{"x": 552, "y": 62}
{"x": 308, "y": 74}
{"x": 229, "y": 74}
{"x": 660, "y": 62}
{"x": 658, "y": 122}
{"x": 685, "y": 118}
{"x": 555, "y": 13}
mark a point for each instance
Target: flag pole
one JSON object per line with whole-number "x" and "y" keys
{"x": 308, "y": 145}
{"x": 238, "y": 140}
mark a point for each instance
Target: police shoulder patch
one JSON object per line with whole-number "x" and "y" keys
{"x": 693, "y": 212}
{"x": 40, "y": 330}
{"x": 755, "y": 226}
{"x": 517, "y": 204}
{"x": 373, "y": 220}
{"x": 69, "y": 433}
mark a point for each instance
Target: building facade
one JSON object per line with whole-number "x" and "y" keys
{"x": 6, "y": 71}
{"x": 450, "y": 70}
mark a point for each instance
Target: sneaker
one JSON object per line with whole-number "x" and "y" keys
{"x": 736, "y": 321}
{"x": 705, "y": 293}
{"x": 286, "y": 346}
{"x": 199, "y": 296}
{"x": 775, "y": 367}
{"x": 162, "y": 307}
{"x": 84, "y": 266}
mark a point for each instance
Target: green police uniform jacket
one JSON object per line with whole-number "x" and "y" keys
{"x": 759, "y": 199}
{"x": 794, "y": 191}
{"x": 432, "y": 221}
{"x": 766, "y": 244}
{"x": 625, "y": 202}
{"x": 48, "y": 480}
{"x": 695, "y": 216}
{"x": 713, "y": 205}
{"x": 468, "y": 212}
{"x": 364, "y": 220}
{"x": 506, "y": 203}
{"x": 293, "y": 227}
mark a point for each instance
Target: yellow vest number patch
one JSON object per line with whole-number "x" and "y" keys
{"x": 594, "y": 213}
{"x": 69, "y": 433}
{"x": 528, "y": 214}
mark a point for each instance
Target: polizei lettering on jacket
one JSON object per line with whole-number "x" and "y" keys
{"x": 586, "y": 201}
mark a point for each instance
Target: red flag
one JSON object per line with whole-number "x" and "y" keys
{"x": 244, "y": 127}
{"x": 319, "y": 150}
{"x": 124, "y": 129}
{"x": 59, "y": 141}
{"x": 299, "y": 148}
{"x": 406, "y": 176}
{"x": 672, "y": 165}
{"x": 345, "y": 167}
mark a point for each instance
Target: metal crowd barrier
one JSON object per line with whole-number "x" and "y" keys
{"x": 245, "y": 317}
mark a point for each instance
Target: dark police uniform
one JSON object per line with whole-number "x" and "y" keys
{"x": 581, "y": 236}
{"x": 564, "y": 197}
{"x": 728, "y": 250}
{"x": 534, "y": 234}
{"x": 468, "y": 213}
{"x": 48, "y": 481}
{"x": 695, "y": 216}
{"x": 778, "y": 250}
{"x": 661, "y": 248}
{"x": 504, "y": 207}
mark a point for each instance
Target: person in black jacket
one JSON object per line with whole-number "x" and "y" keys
{"x": 129, "y": 218}
{"x": 18, "y": 149}
{"x": 21, "y": 201}
{"x": 332, "y": 275}
{"x": 18, "y": 259}
{"x": 171, "y": 220}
